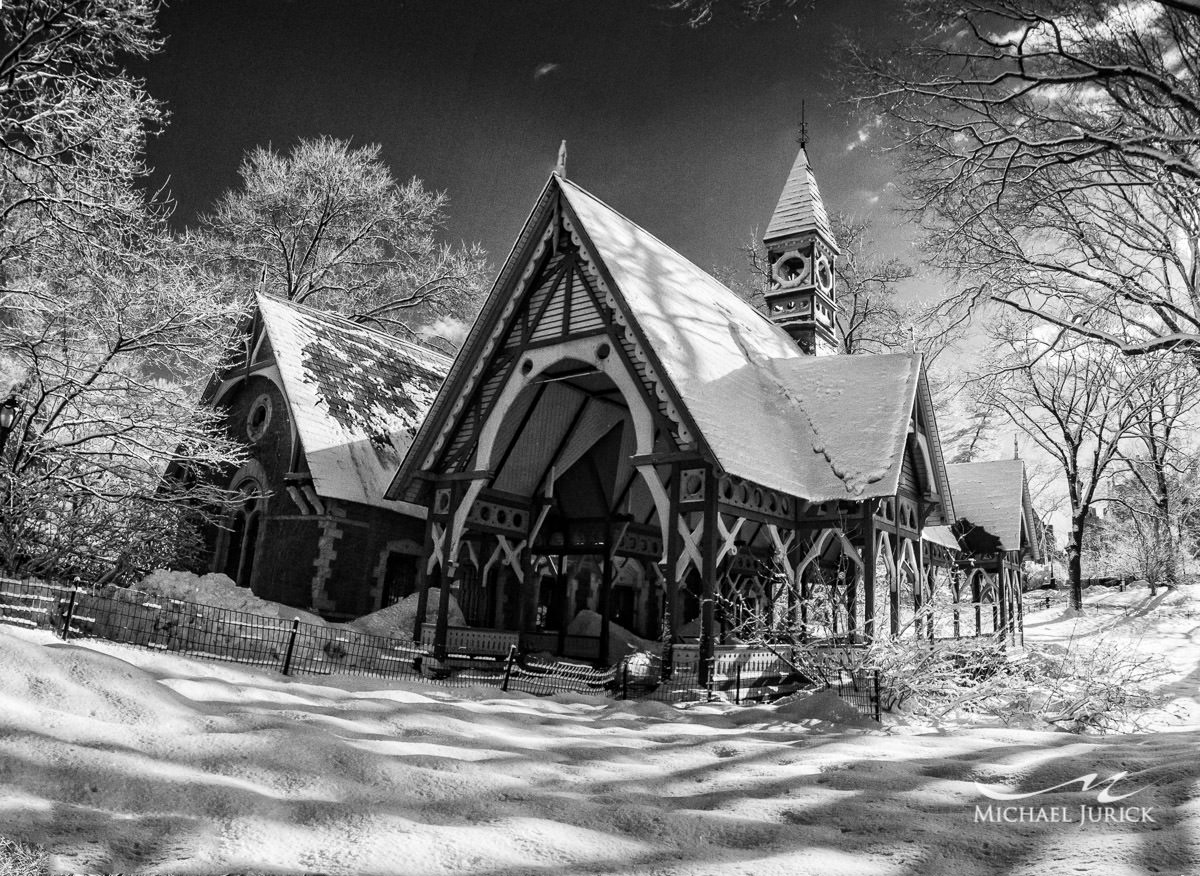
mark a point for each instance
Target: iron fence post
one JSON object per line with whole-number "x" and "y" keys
{"x": 287, "y": 658}
{"x": 877, "y": 696}
{"x": 737, "y": 685}
{"x": 508, "y": 665}
{"x": 625, "y": 681}
{"x": 69, "y": 617}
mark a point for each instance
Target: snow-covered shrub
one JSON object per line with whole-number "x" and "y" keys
{"x": 19, "y": 859}
{"x": 1095, "y": 687}
{"x": 917, "y": 676}
{"x": 1081, "y": 688}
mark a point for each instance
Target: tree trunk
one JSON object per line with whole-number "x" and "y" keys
{"x": 1075, "y": 575}
{"x": 1075, "y": 561}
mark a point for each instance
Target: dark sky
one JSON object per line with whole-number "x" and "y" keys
{"x": 688, "y": 132}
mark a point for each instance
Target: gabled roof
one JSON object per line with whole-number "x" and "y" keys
{"x": 357, "y": 397}
{"x": 800, "y": 207}
{"x": 995, "y": 495}
{"x": 818, "y": 428}
{"x": 828, "y": 427}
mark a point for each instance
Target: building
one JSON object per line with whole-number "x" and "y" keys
{"x": 328, "y": 409}
{"x": 621, "y": 432}
{"x": 620, "y": 438}
{"x": 998, "y": 531}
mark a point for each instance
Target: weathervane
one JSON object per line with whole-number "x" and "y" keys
{"x": 803, "y": 138}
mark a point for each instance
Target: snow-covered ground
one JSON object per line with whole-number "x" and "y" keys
{"x": 119, "y": 759}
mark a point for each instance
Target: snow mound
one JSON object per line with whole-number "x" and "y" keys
{"x": 396, "y": 621}
{"x": 824, "y": 706}
{"x": 621, "y": 641}
{"x": 646, "y": 709}
{"x": 47, "y": 683}
{"x": 219, "y": 591}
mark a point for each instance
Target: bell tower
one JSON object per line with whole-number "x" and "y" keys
{"x": 801, "y": 253}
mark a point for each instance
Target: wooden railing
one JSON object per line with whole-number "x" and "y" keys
{"x": 469, "y": 640}
{"x": 748, "y": 662}
{"x": 496, "y": 643}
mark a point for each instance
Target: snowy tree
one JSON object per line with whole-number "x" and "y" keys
{"x": 103, "y": 330}
{"x": 1156, "y": 494}
{"x": 1077, "y": 400}
{"x": 1052, "y": 150}
{"x": 870, "y": 318}
{"x": 326, "y": 224}
{"x": 109, "y": 344}
{"x": 72, "y": 122}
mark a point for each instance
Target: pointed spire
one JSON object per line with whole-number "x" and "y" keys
{"x": 561, "y": 167}
{"x": 800, "y": 208}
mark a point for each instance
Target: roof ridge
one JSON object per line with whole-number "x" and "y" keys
{"x": 337, "y": 318}
{"x": 649, "y": 233}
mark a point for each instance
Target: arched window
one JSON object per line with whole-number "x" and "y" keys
{"x": 242, "y": 541}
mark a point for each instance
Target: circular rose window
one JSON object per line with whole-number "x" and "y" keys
{"x": 259, "y": 417}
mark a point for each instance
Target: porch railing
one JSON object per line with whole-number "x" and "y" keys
{"x": 478, "y": 642}
{"x": 473, "y": 641}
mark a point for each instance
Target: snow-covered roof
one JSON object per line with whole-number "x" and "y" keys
{"x": 820, "y": 428}
{"x": 357, "y": 397}
{"x": 994, "y": 495}
{"x": 800, "y": 207}
{"x": 940, "y": 535}
{"x": 816, "y": 427}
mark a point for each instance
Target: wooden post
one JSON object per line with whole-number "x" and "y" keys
{"x": 564, "y": 606}
{"x": 897, "y": 557}
{"x": 851, "y": 592}
{"x": 605, "y": 593}
{"x": 1020, "y": 597}
{"x": 529, "y": 591}
{"x": 955, "y": 595}
{"x": 919, "y": 591}
{"x": 449, "y": 570}
{"x": 670, "y": 581}
{"x": 708, "y": 556}
{"x": 499, "y": 582}
{"x": 441, "y": 631}
{"x": 868, "y": 558}
{"x": 423, "y": 578}
{"x": 976, "y": 598}
{"x": 1003, "y": 631}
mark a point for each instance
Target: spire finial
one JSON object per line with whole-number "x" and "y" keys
{"x": 561, "y": 167}
{"x": 1016, "y": 455}
{"x": 802, "y": 139}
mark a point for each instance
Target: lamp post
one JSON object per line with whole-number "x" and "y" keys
{"x": 9, "y": 410}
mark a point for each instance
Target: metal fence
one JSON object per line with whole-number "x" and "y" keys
{"x": 132, "y": 617}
